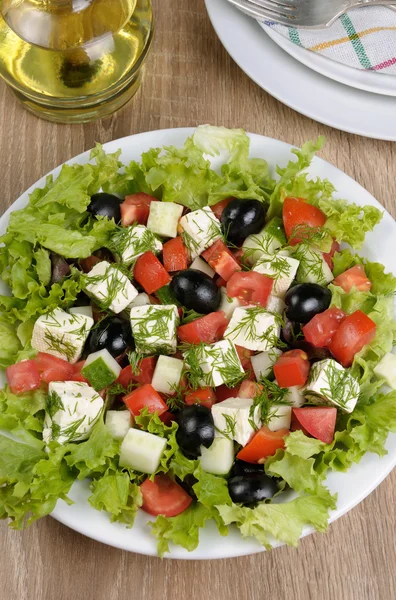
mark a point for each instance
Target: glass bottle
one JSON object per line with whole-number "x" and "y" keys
{"x": 74, "y": 60}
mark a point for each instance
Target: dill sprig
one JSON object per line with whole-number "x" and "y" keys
{"x": 158, "y": 323}
{"x": 248, "y": 327}
{"x": 266, "y": 401}
{"x": 340, "y": 388}
{"x": 212, "y": 234}
{"x": 277, "y": 266}
{"x": 135, "y": 360}
{"x": 230, "y": 429}
{"x": 53, "y": 403}
{"x": 311, "y": 263}
{"x": 175, "y": 401}
{"x": 313, "y": 236}
{"x": 114, "y": 280}
{"x": 126, "y": 240}
{"x": 205, "y": 363}
{"x": 60, "y": 344}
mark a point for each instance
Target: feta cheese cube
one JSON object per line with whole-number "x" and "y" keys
{"x": 386, "y": 369}
{"x": 234, "y": 418}
{"x": 131, "y": 242}
{"x": 201, "y": 229}
{"x": 263, "y": 362}
{"x": 275, "y": 304}
{"x": 142, "y": 451}
{"x": 82, "y": 310}
{"x": 253, "y": 328}
{"x": 280, "y": 417}
{"x": 61, "y": 334}
{"x": 330, "y": 383}
{"x": 109, "y": 287}
{"x": 71, "y": 411}
{"x": 215, "y": 364}
{"x": 118, "y": 422}
{"x": 200, "y": 265}
{"x": 228, "y": 305}
{"x": 313, "y": 267}
{"x": 164, "y": 218}
{"x": 281, "y": 267}
{"x": 167, "y": 374}
{"x": 154, "y": 327}
{"x": 295, "y": 396}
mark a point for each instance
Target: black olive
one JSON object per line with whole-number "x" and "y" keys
{"x": 105, "y": 205}
{"x": 306, "y": 300}
{"x": 196, "y": 429}
{"x": 241, "y": 468}
{"x": 241, "y": 218}
{"x": 111, "y": 333}
{"x": 251, "y": 488}
{"x": 196, "y": 291}
{"x": 187, "y": 484}
{"x": 290, "y": 332}
{"x": 59, "y": 268}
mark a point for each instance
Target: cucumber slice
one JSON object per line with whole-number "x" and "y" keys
{"x": 142, "y": 451}
{"x": 219, "y": 457}
{"x": 164, "y": 218}
{"x": 270, "y": 239}
{"x": 313, "y": 267}
{"x": 386, "y": 369}
{"x": 118, "y": 422}
{"x": 167, "y": 374}
{"x": 281, "y": 417}
{"x": 263, "y": 362}
{"x": 101, "y": 369}
{"x": 82, "y": 310}
{"x": 200, "y": 265}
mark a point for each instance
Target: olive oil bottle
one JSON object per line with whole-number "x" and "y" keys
{"x": 74, "y": 60}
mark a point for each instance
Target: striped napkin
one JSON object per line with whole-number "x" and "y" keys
{"x": 363, "y": 38}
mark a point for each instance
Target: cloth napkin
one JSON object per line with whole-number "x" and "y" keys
{"x": 363, "y": 38}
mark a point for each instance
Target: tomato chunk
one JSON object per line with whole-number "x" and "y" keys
{"x": 250, "y": 287}
{"x": 150, "y": 273}
{"x": 136, "y": 209}
{"x": 249, "y": 389}
{"x": 220, "y": 206}
{"x": 320, "y": 330}
{"x": 77, "y": 374}
{"x": 292, "y": 368}
{"x": 354, "y": 278}
{"x": 355, "y": 332}
{"x": 204, "y": 396}
{"x": 145, "y": 396}
{"x": 87, "y": 264}
{"x": 223, "y": 392}
{"x": 328, "y": 256}
{"x": 208, "y": 329}
{"x": 145, "y": 372}
{"x": 245, "y": 357}
{"x": 174, "y": 254}
{"x": 299, "y": 215}
{"x": 52, "y": 368}
{"x": 264, "y": 443}
{"x": 318, "y": 421}
{"x": 221, "y": 259}
{"x": 23, "y": 377}
{"x": 163, "y": 496}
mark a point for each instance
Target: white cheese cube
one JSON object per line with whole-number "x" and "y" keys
{"x": 154, "y": 328}
{"x": 253, "y": 328}
{"x": 263, "y": 362}
{"x": 330, "y": 383}
{"x": 109, "y": 287}
{"x": 118, "y": 422}
{"x": 280, "y": 417}
{"x": 281, "y": 267}
{"x": 313, "y": 267}
{"x": 259, "y": 244}
{"x": 228, "y": 305}
{"x": 219, "y": 457}
{"x": 295, "y": 395}
{"x": 234, "y": 418}
{"x": 71, "y": 411}
{"x": 275, "y": 304}
{"x": 164, "y": 218}
{"x": 386, "y": 369}
{"x": 201, "y": 229}
{"x": 142, "y": 451}
{"x": 61, "y": 334}
{"x": 200, "y": 265}
{"x": 140, "y": 300}
{"x": 215, "y": 364}
{"x": 167, "y": 374}
{"x": 82, "y": 310}
{"x": 131, "y": 242}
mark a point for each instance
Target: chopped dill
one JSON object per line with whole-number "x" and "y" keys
{"x": 248, "y": 327}
{"x": 210, "y": 365}
{"x": 127, "y": 242}
{"x": 266, "y": 400}
{"x": 230, "y": 429}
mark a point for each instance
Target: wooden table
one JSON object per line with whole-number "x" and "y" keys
{"x": 191, "y": 80}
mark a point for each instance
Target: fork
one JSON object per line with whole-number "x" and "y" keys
{"x": 303, "y": 13}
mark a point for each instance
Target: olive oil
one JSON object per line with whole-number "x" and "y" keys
{"x": 74, "y": 60}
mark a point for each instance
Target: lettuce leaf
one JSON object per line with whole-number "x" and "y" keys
{"x": 114, "y": 493}
{"x": 22, "y": 415}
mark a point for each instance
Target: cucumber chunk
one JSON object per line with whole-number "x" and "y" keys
{"x": 219, "y": 457}
{"x": 118, "y": 422}
{"x": 101, "y": 369}
{"x": 142, "y": 451}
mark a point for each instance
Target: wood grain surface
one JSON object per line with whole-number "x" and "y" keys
{"x": 190, "y": 80}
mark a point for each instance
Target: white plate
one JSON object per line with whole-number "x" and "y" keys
{"x": 309, "y": 93}
{"x": 371, "y": 81}
{"x": 351, "y": 487}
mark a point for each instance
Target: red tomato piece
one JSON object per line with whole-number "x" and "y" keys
{"x": 264, "y": 443}
{"x": 220, "y": 282}
{"x": 150, "y": 273}
{"x": 87, "y": 264}
{"x": 299, "y": 215}
{"x": 353, "y": 278}
{"x": 23, "y": 377}
{"x": 52, "y": 368}
{"x": 355, "y": 332}
{"x": 223, "y": 392}
{"x": 250, "y": 287}
{"x": 136, "y": 209}
{"x": 163, "y": 496}
{"x": 145, "y": 375}
{"x": 292, "y": 368}
{"x": 77, "y": 374}
{"x": 320, "y": 330}
{"x": 249, "y": 389}
{"x": 145, "y": 396}
{"x": 220, "y": 206}
{"x": 328, "y": 256}
{"x": 295, "y": 425}
{"x": 245, "y": 356}
{"x": 204, "y": 396}
{"x": 167, "y": 418}
{"x": 221, "y": 259}
{"x": 318, "y": 421}
{"x": 174, "y": 254}
{"x": 208, "y": 329}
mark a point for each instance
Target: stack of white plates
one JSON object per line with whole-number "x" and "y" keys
{"x": 349, "y": 99}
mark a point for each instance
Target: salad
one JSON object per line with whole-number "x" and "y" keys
{"x": 200, "y": 343}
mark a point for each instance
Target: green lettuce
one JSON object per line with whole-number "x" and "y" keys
{"x": 22, "y": 415}
{"x": 114, "y": 493}
{"x": 381, "y": 283}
